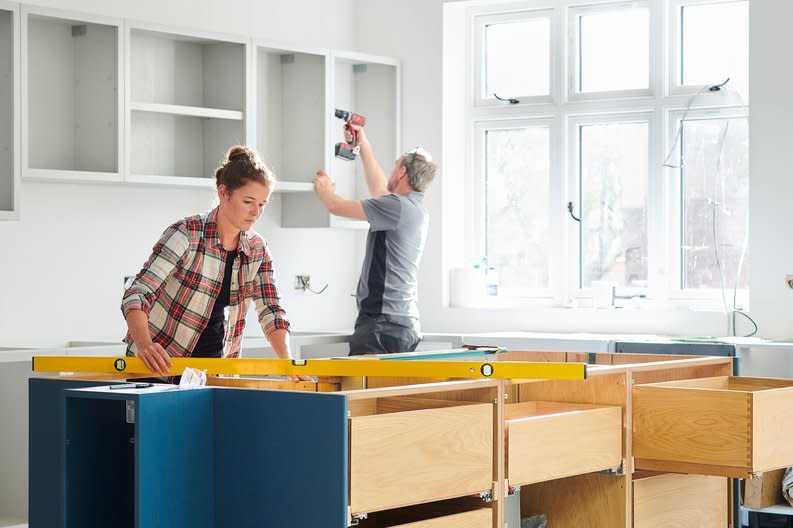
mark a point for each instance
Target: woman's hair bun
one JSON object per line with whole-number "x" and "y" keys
{"x": 240, "y": 153}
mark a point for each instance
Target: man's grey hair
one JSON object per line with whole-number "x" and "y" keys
{"x": 420, "y": 168}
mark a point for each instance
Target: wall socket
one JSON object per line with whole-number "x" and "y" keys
{"x": 302, "y": 282}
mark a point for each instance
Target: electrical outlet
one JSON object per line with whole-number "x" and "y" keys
{"x": 302, "y": 282}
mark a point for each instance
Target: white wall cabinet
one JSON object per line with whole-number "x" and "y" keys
{"x": 71, "y": 71}
{"x": 367, "y": 85}
{"x": 9, "y": 110}
{"x": 291, "y": 102}
{"x": 187, "y": 103}
{"x": 114, "y": 100}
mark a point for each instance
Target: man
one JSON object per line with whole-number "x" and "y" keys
{"x": 388, "y": 316}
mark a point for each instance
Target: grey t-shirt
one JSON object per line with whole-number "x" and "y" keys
{"x": 397, "y": 233}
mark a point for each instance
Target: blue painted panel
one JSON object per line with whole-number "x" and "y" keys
{"x": 205, "y": 458}
{"x": 175, "y": 444}
{"x": 100, "y": 464}
{"x": 47, "y": 451}
{"x": 280, "y": 459}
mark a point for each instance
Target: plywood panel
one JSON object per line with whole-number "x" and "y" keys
{"x": 682, "y": 370}
{"x": 772, "y": 429}
{"x": 693, "y": 426}
{"x": 468, "y": 512}
{"x": 609, "y": 389}
{"x": 680, "y": 501}
{"x": 418, "y": 456}
{"x": 482, "y": 518}
{"x": 586, "y": 500}
{"x": 549, "y": 441}
{"x": 251, "y": 383}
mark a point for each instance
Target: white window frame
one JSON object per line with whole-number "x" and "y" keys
{"x": 674, "y": 210}
{"x": 573, "y": 16}
{"x": 480, "y": 81}
{"x": 673, "y": 49}
{"x": 574, "y": 184}
{"x": 657, "y": 105}
{"x": 478, "y": 184}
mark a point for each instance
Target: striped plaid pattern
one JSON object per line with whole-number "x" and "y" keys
{"x": 180, "y": 281}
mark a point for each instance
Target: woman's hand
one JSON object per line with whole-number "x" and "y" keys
{"x": 155, "y": 358}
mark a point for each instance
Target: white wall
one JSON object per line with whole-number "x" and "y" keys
{"x": 411, "y": 30}
{"x": 62, "y": 263}
{"x": 770, "y": 138}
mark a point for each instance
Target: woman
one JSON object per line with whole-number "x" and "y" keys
{"x": 203, "y": 264}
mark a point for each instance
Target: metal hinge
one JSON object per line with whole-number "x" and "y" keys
{"x": 511, "y": 490}
{"x": 618, "y": 471}
{"x": 355, "y": 519}
{"x": 130, "y": 411}
{"x": 491, "y": 494}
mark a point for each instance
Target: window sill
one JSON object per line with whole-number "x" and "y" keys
{"x": 584, "y": 304}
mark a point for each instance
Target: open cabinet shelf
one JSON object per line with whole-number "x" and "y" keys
{"x": 187, "y": 103}
{"x": 367, "y": 85}
{"x": 72, "y": 107}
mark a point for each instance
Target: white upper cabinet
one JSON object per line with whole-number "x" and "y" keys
{"x": 367, "y": 85}
{"x": 71, "y": 120}
{"x": 9, "y": 110}
{"x": 113, "y": 100}
{"x": 187, "y": 103}
{"x": 291, "y": 102}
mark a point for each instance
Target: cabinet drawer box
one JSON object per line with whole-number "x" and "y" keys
{"x": 550, "y": 440}
{"x": 408, "y": 450}
{"x": 682, "y": 501}
{"x": 727, "y": 425}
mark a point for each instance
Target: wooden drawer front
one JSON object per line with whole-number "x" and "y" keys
{"x": 404, "y": 458}
{"x": 548, "y": 440}
{"x": 481, "y": 518}
{"x": 728, "y": 426}
{"x": 680, "y": 501}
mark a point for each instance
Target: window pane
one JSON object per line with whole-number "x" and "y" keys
{"x": 613, "y": 165}
{"x": 715, "y": 44}
{"x": 517, "y": 194}
{"x": 518, "y": 55}
{"x": 614, "y": 50}
{"x": 715, "y": 183}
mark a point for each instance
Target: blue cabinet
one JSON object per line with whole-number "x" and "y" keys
{"x": 187, "y": 458}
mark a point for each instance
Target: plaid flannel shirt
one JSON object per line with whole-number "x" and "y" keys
{"x": 180, "y": 281}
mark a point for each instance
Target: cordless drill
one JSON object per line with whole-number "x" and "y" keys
{"x": 344, "y": 150}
